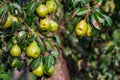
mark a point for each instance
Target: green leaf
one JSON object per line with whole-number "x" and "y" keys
{"x": 68, "y": 16}
{"x": 15, "y": 5}
{"x": 41, "y": 46}
{"x": 5, "y": 77}
{"x": 108, "y": 19}
{"x": 110, "y": 49}
{"x": 31, "y": 7}
{"x": 75, "y": 2}
{"x": 21, "y": 36}
{"x": 20, "y": 66}
{"x": 95, "y": 22}
{"x": 35, "y": 63}
{"x": 2, "y": 9}
{"x": 14, "y": 27}
{"x": 48, "y": 44}
{"x": 1, "y": 68}
{"x": 82, "y": 11}
{"x": 32, "y": 38}
{"x": 15, "y": 62}
{"x": 86, "y": 1}
{"x": 116, "y": 36}
{"x": 57, "y": 39}
{"x": 99, "y": 17}
{"x": 70, "y": 27}
{"x": 49, "y": 61}
{"x": 55, "y": 53}
{"x": 31, "y": 19}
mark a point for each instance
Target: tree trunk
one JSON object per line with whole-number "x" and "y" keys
{"x": 61, "y": 70}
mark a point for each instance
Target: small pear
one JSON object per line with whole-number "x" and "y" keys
{"x": 89, "y": 31}
{"x": 33, "y": 50}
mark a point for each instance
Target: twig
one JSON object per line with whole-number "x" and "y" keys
{"x": 87, "y": 15}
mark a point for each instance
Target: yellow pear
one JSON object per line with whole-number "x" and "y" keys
{"x": 81, "y": 28}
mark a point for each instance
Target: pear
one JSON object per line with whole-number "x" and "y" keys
{"x": 14, "y": 18}
{"x": 33, "y": 50}
{"x": 15, "y": 50}
{"x": 50, "y": 71}
{"x": 39, "y": 71}
{"x": 54, "y": 26}
{"x": 51, "y": 5}
{"x": 8, "y": 22}
{"x": 44, "y": 24}
{"x": 89, "y": 31}
{"x": 42, "y": 10}
{"x": 81, "y": 28}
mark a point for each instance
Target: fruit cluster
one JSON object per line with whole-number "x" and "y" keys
{"x": 47, "y": 25}
{"x": 32, "y": 50}
{"x": 82, "y": 29}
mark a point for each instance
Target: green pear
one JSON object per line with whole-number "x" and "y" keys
{"x": 51, "y": 5}
{"x": 15, "y": 50}
{"x": 33, "y": 50}
{"x": 50, "y": 71}
{"x": 42, "y": 10}
{"x": 45, "y": 24}
{"x": 54, "y": 26}
{"x": 89, "y": 31}
{"x": 39, "y": 71}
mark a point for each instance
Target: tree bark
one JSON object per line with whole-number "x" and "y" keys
{"x": 61, "y": 70}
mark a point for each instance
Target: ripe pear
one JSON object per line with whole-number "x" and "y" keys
{"x": 33, "y": 50}
{"x": 81, "y": 28}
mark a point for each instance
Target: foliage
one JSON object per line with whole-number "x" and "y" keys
{"x": 23, "y": 41}
{"x": 94, "y": 57}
